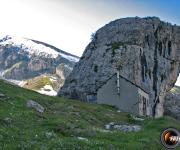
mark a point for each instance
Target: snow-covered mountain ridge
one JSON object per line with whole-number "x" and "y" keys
{"x": 32, "y": 47}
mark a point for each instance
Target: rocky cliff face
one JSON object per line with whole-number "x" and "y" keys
{"x": 172, "y": 103}
{"x": 146, "y": 51}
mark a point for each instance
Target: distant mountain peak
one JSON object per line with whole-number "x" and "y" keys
{"x": 36, "y": 48}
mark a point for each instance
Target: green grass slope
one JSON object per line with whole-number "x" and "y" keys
{"x": 63, "y": 121}
{"x": 37, "y": 83}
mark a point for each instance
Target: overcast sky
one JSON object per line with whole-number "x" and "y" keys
{"x": 68, "y": 24}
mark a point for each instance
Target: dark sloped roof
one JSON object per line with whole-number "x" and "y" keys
{"x": 124, "y": 79}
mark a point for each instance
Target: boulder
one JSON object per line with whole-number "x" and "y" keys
{"x": 35, "y": 105}
{"x": 123, "y": 127}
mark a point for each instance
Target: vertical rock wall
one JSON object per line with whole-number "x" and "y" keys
{"x": 146, "y": 51}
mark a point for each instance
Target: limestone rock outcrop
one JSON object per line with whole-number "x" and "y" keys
{"x": 146, "y": 51}
{"x": 172, "y": 103}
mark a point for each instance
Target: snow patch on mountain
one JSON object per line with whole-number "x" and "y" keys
{"x": 70, "y": 57}
{"x": 17, "y": 82}
{"x": 31, "y": 47}
{"x": 47, "y": 90}
{"x": 52, "y": 79}
{"x": 1, "y": 73}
